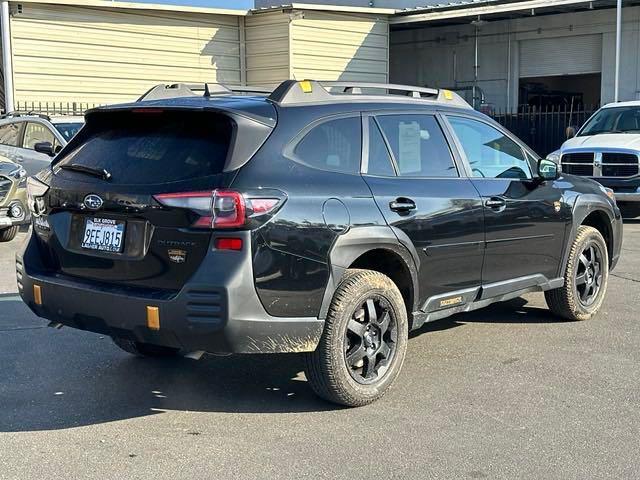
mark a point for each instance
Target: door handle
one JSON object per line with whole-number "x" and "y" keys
{"x": 495, "y": 203}
{"x": 402, "y": 205}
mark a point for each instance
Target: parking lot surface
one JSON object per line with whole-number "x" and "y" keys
{"x": 504, "y": 392}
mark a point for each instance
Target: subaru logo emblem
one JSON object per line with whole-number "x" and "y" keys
{"x": 93, "y": 201}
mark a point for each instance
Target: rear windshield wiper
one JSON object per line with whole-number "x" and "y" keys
{"x": 96, "y": 172}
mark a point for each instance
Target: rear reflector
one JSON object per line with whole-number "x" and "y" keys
{"x": 153, "y": 318}
{"x": 228, "y": 243}
{"x": 37, "y": 294}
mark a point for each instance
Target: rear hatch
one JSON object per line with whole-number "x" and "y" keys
{"x": 121, "y": 208}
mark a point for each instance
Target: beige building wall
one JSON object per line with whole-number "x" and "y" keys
{"x": 87, "y": 54}
{"x": 267, "y": 48}
{"x": 93, "y": 52}
{"x": 339, "y": 46}
{"x": 316, "y": 44}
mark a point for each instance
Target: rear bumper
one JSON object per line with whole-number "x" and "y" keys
{"x": 224, "y": 316}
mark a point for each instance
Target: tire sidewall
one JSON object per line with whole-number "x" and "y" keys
{"x": 342, "y": 315}
{"x": 582, "y": 310}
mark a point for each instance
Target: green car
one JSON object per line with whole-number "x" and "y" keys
{"x": 13, "y": 199}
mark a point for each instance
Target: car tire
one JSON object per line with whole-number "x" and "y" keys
{"x": 364, "y": 342}
{"x": 585, "y": 279}
{"x": 145, "y": 349}
{"x": 8, "y": 234}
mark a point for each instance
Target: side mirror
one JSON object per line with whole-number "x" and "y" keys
{"x": 570, "y": 132}
{"x": 45, "y": 147}
{"x": 547, "y": 169}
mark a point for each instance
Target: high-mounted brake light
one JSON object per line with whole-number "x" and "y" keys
{"x": 220, "y": 208}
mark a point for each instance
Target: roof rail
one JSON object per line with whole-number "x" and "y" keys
{"x": 175, "y": 90}
{"x": 292, "y": 92}
{"x": 16, "y": 113}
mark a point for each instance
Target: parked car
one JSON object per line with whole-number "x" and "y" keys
{"x": 319, "y": 219}
{"x": 607, "y": 149}
{"x": 13, "y": 199}
{"x": 31, "y": 140}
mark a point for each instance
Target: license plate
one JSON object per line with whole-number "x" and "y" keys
{"x": 103, "y": 234}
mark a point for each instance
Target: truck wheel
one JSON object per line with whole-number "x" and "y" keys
{"x": 585, "y": 278}
{"x": 364, "y": 342}
{"x": 8, "y": 234}
{"x": 144, "y": 349}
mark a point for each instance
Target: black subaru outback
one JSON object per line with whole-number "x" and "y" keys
{"x": 329, "y": 219}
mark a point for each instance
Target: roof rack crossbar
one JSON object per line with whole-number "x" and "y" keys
{"x": 16, "y": 113}
{"x": 293, "y": 92}
{"x": 410, "y": 91}
{"x": 175, "y": 90}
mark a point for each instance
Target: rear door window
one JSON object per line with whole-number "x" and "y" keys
{"x": 152, "y": 148}
{"x": 418, "y": 145}
{"x": 333, "y": 145}
{"x": 10, "y": 133}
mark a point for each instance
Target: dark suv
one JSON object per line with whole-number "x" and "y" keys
{"x": 329, "y": 219}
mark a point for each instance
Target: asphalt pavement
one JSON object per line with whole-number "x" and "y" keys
{"x": 505, "y": 392}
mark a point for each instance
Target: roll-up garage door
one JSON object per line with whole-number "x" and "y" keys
{"x": 575, "y": 55}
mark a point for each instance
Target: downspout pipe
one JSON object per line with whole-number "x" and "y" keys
{"x": 7, "y": 64}
{"x": 616, "y": 88}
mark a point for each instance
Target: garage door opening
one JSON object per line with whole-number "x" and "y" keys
{"x": 571, "y": 92}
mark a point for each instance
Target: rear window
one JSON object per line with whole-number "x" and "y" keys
{"x": 151, "y": 147}
{"x": 68, "y": 130}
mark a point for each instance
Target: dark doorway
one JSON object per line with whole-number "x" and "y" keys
{"x": 564, "y": 91}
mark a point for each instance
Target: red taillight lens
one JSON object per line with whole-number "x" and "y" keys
{"x": 199, "y": 202}
{"x": 216, "y": 209}
{"x": 228, "y": 243}
{"x": 260, "y": 206}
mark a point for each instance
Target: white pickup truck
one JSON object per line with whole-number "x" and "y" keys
{"x": 607, "y": 149}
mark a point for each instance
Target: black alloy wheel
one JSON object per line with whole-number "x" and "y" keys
{"x": 588, "y": 279}
{"x": 371, "y": 340}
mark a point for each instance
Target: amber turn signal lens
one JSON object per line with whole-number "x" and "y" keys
{"x": 153, "y": 318}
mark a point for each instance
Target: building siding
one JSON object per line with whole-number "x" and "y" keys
{"x": 444, "y": 56}
{"x": 339, "y": 46}
{"x": 267, "y": 48}
{"x": 100, "y": 55}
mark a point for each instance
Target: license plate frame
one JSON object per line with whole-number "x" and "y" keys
{"x": 104, "y": 235}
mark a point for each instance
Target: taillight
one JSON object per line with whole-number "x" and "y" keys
{"x": 229, "y": 209}
{"x": 223, "y": 208}
{"x": 35, "y": 194}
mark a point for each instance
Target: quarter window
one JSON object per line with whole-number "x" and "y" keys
{"x": 9, "y": 134}
{"x": 490, "y": 152}
{"x": 333, "y": 145}
{"x": 379, "y": 159}
{"x": 37, "y": 133}
{"x": 418, "y": 145}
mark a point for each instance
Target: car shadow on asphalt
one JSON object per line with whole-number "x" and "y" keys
{"x": 52, "y": 379}
{"x": 57, "y": 379}
{"x": 512, "y": 311}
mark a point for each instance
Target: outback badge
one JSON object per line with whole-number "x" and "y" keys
{"x": 177, "y": 256}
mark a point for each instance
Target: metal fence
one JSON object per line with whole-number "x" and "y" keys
{"x": 55, "y": 108}
{"x": 543, "y": 129}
